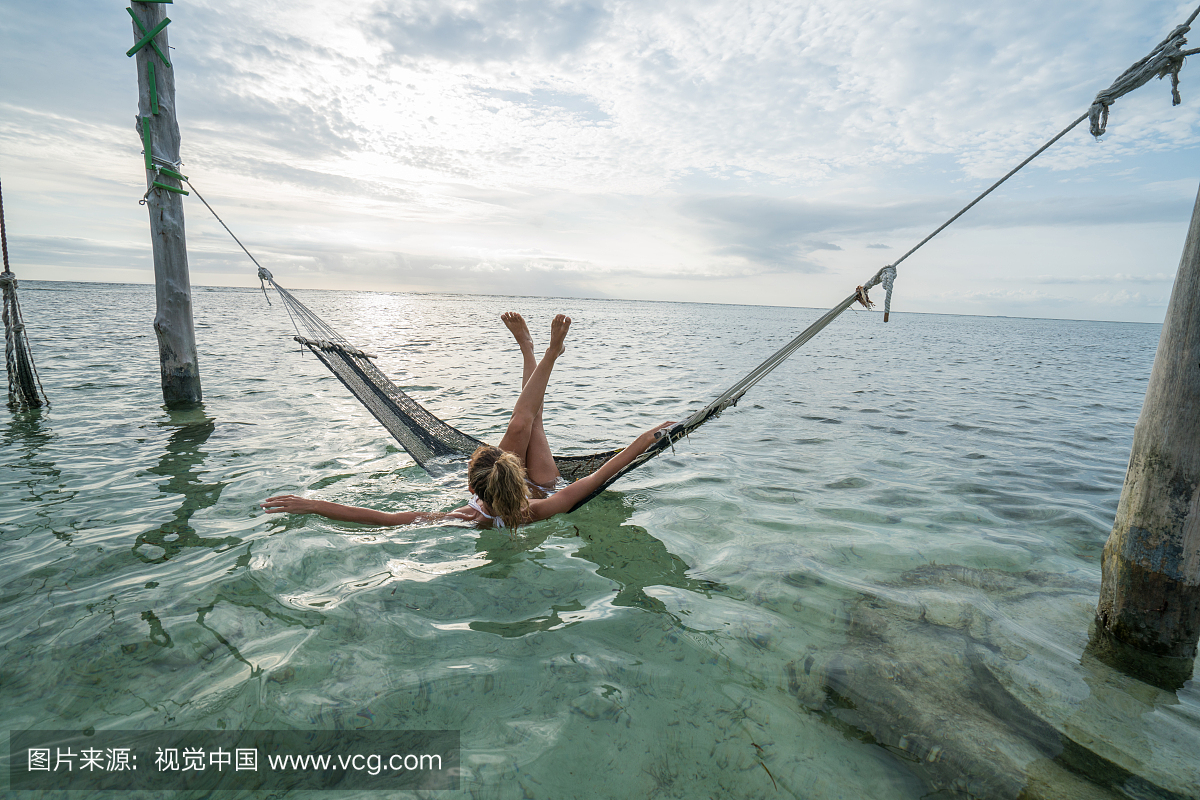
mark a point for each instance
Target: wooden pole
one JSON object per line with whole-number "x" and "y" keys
{"x": 159, "y": 132}
{"x": 1150, "y": 588}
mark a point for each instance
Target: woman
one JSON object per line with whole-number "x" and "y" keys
{"x": 512, "y": 484}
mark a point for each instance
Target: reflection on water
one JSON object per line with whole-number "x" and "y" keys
{"x": 29, "y": 474}
{"x": 229, "y": 624}
{"x": 183, "y": 467}
{"x": 623, "y": 553}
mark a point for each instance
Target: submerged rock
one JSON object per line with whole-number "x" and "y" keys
{"x": 977, "y": 712}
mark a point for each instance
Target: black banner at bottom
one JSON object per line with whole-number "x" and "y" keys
{"x": 233, "y": 760}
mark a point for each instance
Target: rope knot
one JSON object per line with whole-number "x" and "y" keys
{"x": 264, "y": 275}
{"x": 8, "y": 279}
{"x": 862, "y": 298}
{"x": 1166, "y": 59}
{"x": 887, "y": 276}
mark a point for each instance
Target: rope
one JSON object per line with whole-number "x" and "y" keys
{"x": 668, "y": 436}
{"x": 4, "y": 236}
{"x": 317, "y": 328}
{"x": 239, "y": 241}
{"x": 1165, "y": 59}
{"x": 887, "y": 277}
{"x": 990, "y": 189}
{"x": 9, "y": 284}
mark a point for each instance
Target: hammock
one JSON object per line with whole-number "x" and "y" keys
{"x": 440, "y": 448}
{"x": 24, "y": 386}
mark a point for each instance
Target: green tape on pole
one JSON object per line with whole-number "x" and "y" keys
{"x": 153, "y": 88}
{"x": 142, "y": 28}
{"x": 168, "y": 188}
{"x": 170, "y": 173}
{"x": 154, "y": 1}
{"x": 146, "y": 143}
{"x": 149, "y": 40}
{"x": 145, "y": 40}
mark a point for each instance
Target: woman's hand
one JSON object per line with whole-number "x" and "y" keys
{"x": 290, "y": 504}
{"x": 651, "y": 436}
{"x": 658, "y": 428}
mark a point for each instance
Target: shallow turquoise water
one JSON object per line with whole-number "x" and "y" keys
{"x": 873, "y": 578}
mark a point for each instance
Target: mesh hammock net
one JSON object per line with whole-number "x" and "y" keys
{"x": 24, "y": 386}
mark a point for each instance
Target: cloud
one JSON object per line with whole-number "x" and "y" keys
{"x": 780, "y": 232}
{"x": 1125, "y": 298}
{"x": 1109, "y": 209}
{"x": 89, "y": 254}
{"x": 1006, "y": 296}
{"x": 490, "y": 30}
{"x": 578, "y": 105}
{"x": 1119, "y": 277}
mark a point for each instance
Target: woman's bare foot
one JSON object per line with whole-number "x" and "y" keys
{"x": 520, "y": 331}
{"x": 558, "y": 335}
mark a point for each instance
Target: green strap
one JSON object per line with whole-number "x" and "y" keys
{"x": 153, "y": 87}
{"x": 146, "y": 143}
{"x": 170, "y": 173}
{"x": 168, "y": 188}
{"x": 154, "y": 1}
{"x": 148, "y": 37}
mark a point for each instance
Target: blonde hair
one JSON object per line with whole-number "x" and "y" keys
{"x": 498, "y": 478}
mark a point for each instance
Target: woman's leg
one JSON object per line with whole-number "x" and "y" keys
{"x": 525, "y": 435}
{"x": 539, "y": 462}
{"x": 520, "y": 331}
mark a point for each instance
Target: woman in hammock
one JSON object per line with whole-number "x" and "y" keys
{"x": 512, "y": 484}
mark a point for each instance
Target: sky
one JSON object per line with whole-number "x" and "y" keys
{"x": 728, "y": 151}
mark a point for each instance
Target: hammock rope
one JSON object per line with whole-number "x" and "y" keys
{"x": 439, "y": 447}
{"x": 1165, "y": 59}
{"x": 24, "y": 385}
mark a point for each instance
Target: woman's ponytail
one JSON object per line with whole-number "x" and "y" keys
{"x": 498, "y": 477}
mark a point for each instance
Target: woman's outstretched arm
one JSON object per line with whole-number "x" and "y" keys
{"x": 565, "y": 499}
{"x": 291, "y": 504}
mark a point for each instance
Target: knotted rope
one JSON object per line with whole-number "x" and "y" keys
{"x": 1166, "y": 59}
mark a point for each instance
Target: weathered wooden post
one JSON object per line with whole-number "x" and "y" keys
{"x": 1150, "y": 589}
{"x": 159, "y": 131}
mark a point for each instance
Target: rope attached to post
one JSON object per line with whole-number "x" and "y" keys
{"x": 263, "y": 275}
{"x": 1165, "y": 59}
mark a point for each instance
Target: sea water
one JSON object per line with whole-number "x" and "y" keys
{"x": 874, "y": 577}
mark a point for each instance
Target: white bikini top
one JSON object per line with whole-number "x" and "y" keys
{"x": 477, "y": 504}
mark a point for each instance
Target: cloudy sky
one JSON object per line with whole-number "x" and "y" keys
{"x": 738, "y": 151}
